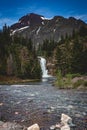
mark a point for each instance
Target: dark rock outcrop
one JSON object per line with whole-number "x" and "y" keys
{"x": 51, "y": 66}
{"x": 28, "y": 20}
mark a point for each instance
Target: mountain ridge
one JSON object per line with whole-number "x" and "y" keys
{"x": 39, "y": 28}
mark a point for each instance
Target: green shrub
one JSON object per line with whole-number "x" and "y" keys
{"x": 59, "y": 81}
{"x": 76, "y": 75}
{"x": 68, "y": 80}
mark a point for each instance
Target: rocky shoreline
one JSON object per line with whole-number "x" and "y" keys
{"x": 65, "y": 124}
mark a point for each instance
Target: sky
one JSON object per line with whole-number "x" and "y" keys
{"x": 12, "y": 10}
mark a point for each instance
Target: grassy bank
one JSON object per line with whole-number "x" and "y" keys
{"x": 14, "y": 80}
{"x": 71, "y": 81}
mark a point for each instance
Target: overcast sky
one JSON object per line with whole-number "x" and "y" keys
{"x": 12, "y": 10}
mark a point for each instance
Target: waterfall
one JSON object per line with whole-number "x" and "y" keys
{"x": 43, "y": 67}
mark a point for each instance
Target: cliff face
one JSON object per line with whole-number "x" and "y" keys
{"x": 39, "y": 28}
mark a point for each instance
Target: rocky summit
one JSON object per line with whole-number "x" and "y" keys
{"x": 39, "y": 28}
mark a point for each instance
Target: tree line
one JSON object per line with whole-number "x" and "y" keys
{"x": 18, "y": 56}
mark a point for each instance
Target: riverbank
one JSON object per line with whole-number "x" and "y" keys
{"x": 71, "y": 82}
{"x": 14, "y": 80}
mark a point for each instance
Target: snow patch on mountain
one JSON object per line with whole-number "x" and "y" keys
{"x": 44, "y": 18}
{"x": 38, "y": 30}
{"x": 21, "y": 29}
{"x": 42, "y": 23}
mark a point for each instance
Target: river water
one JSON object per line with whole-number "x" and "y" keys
{"x": 42, "y": 103}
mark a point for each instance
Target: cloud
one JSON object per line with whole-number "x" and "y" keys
{"x": 7, "y": 21}
{"x": 73, "y": 13}
{"x": 83, "y": 17}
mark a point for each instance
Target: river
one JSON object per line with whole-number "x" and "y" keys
{"x": 42, "y": 103}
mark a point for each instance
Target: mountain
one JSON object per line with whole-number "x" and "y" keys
{"x": 39, "y": 28}
{"x": 19, "y": 56}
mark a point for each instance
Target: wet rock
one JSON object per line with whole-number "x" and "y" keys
{"x": 58, "y": 126}
{"x": 16, "y": 113}
{"x": 10, "y": 126}
{"x": 62, "y": 126}
{"x": 65, "y": 127}
{"x": 52, "y": 127}
{"x": 1, "y": 104}
{"x": 78, "y": 115}
{"x": 70, "y": 107}
{"x": 34, "y": 127}
{"x": 84, "y": 113}
{"x": 51, "y": 109}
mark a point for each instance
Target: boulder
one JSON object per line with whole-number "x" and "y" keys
{"x": 65, "y": 119}
{"x": 34, "y": 127}
{"x": 65, "y": 124}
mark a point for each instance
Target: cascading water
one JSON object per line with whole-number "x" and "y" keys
{"x": 43, "y": 67}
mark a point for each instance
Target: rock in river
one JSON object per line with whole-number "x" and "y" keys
{"x": 34, "y": 127}
{"x": 10, "y": 126}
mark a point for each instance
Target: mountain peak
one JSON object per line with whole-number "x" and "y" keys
{"x": 31, "y": 19}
